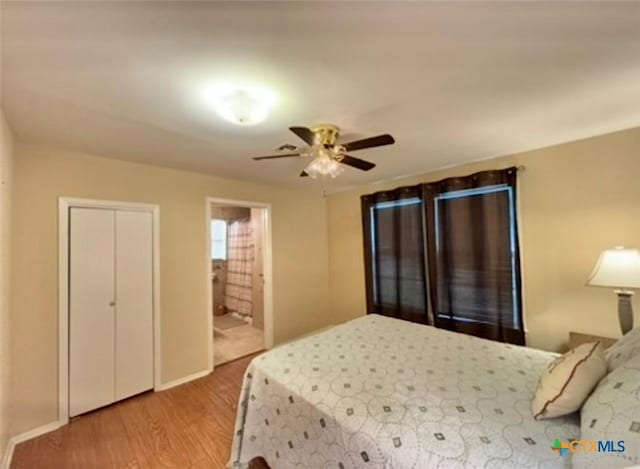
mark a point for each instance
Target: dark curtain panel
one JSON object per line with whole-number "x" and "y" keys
{"x": 473, "y": 254}
{"x": 393, "y": 225}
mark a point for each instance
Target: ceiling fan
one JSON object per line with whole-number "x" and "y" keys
{"x": 322, "y": 145}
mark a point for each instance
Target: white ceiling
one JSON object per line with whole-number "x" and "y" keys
{"x": 452, "y": 82}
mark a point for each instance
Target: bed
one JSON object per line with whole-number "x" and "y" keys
{"x": 384, "y": 393}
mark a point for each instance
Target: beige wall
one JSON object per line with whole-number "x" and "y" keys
{"x": 6, "y": 181}
{"x": 575, "y": 200}
{"x": 300, "y": 267}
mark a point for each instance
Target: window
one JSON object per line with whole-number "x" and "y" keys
{"x": 467, "y": 275}
{"x": 218, "y": 240}
{"x": 395, "y": 255}
{"x": 471, "y": 266}
{"x": 473, "y": 253}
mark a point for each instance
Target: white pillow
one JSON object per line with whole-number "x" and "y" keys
{"x": 626, "y": 347}
{"x": 567, "y": 382}
{"x": 612, "y": 414}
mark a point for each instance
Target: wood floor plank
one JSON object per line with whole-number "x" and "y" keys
{"x": 204, "y": 464}
{"x": 190, "y": 426}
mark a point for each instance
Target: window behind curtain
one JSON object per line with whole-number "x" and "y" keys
{"x": 474, "y": 267}
{"x": 394, "y": 254}
{"x": 218, "y": 240}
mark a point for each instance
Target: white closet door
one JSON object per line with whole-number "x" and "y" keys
{"x": 134, "y": 308}
{"x": 91, "y": 310}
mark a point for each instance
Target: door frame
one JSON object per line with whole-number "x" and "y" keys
{"x": 267, "y": 253}
{"x": 64, "y": 205}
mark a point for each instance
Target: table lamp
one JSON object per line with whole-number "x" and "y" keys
{"x": 619, "y": 268}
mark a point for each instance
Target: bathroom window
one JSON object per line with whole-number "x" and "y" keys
{"x": 219, "y": 240}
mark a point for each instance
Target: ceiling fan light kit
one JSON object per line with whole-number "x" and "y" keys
{"x": 323, "y": 165}
{"x": 329, "y": 156}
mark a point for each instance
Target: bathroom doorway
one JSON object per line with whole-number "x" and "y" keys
{"x": 239, "y": 260}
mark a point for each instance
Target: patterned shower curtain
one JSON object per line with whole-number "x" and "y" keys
{"x": 240, "y": 250}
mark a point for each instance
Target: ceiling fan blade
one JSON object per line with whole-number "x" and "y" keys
{"x": 370, "y": 142}
{"x": 357, "y": 163}
{"x": 305, "y": 134}
{"x": 287, "y": 146}
{"x": 271, "y": 157}
{"x": 303, "y": 174}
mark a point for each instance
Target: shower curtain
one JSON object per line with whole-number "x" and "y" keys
{"x": 238, "y": 291}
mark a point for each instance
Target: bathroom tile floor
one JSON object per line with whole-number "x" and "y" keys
{"x": 230, "y": 344}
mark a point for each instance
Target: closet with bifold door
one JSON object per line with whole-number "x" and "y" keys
{"x": 110, "y": 306}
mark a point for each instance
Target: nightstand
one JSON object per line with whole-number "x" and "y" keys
{"x": 578, "y": 338}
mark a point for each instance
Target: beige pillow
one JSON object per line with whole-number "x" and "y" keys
{"x": 568, "y": 381}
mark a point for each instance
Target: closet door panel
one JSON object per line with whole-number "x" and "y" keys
{"x": 91, "y": 311}
{"x": 134, "y": 308}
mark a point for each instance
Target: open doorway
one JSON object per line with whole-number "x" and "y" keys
{"x": 238, "y": 248}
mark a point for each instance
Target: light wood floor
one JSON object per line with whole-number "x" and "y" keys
{"x": 187, "y": 427}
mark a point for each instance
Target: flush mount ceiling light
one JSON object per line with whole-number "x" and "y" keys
{"x": 243, "y": 105}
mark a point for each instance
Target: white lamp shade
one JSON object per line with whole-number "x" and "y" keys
{"x": 617, "y": 268}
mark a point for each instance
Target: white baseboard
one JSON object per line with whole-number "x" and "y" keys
{"x": 17, "y": 439}
{"x": 8, "y": 454}
{"x": 183, "y": 380}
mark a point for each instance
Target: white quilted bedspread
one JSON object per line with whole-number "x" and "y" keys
{"x": 378, "y": 392}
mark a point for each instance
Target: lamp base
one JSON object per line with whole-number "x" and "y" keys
{"x": 625, "y": 311}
